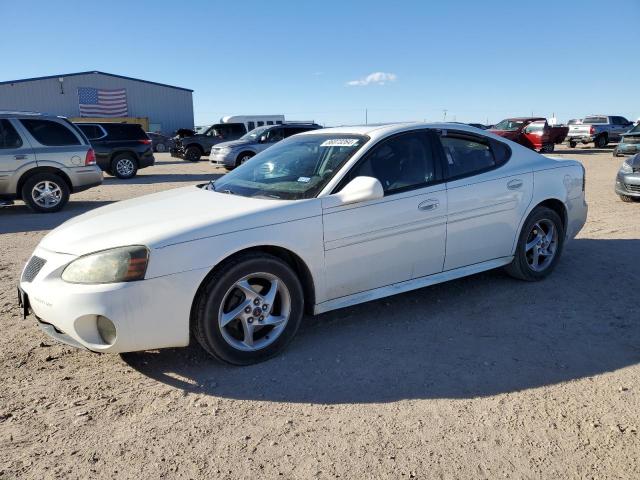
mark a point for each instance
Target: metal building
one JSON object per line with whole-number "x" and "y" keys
{"x": 98, "y": 94}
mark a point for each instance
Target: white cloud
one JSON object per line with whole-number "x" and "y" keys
{"x": 376, "y": 78}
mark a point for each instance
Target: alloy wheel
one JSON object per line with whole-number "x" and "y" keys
{"x": 254, "y": 312}
{"x": 46, "y": 194}
{"x": 542, "y": 245}
{"x": 125, "y": 167}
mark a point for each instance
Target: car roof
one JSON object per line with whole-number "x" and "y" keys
{"x": 18, "y": 113}
{"x": 386, "y": 129}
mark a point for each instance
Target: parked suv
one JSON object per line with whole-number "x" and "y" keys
{"x": 43, "y": 159}
{"x": 192, "y": 147}
{"x": 232, "y": 154}
{"x": 121, "y": 148}
{"x": 599, "y": 129}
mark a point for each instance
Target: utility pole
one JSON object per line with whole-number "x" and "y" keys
{"x": 444, "y": 115}
{"x": 366, "y": 116}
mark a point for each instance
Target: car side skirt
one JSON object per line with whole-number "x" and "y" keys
{"x": 409, "y": 285}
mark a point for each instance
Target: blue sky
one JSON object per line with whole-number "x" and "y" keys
{"x": 479, "y": 60}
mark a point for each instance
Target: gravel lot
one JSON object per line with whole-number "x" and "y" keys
{"x": 482, "y": 377}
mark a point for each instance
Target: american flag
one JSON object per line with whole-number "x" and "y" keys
{"x": 98, "y": 102}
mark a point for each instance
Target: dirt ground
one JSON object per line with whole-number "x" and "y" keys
{"x": 483, "y": 377}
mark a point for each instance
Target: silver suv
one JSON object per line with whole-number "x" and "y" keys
{"x": 43, "y": 159}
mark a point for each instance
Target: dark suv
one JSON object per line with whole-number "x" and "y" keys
{"x": 121, "y": 148}
{"x": 196, "y": 144}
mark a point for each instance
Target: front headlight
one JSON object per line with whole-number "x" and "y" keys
{"x": 122, "y": 264}
{"x": 626, "y": 168}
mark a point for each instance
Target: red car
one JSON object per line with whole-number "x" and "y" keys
{"x": 532, "y": 132}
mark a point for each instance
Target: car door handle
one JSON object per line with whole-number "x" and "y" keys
{"x": 430, "y": 204}
{"x": 20, "y": 157}
{"x": 514, "y": 184}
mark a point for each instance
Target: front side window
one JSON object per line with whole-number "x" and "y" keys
{"x": 9, "y": 138}
{"x": 274, "y": 135}
{"x": 50, "y": 133}
{"x": 466, "y": 156}
{"x": 509, "y": 125}
{"x": 294, "y": 169}
{"x": 400, "y": 163}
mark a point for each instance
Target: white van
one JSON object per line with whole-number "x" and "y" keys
{"x": 254, "y": 121}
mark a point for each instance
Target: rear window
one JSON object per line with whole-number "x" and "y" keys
{"x": 593, "y": 120}
{"x": 50, "y": 133}
{"x": 124, "y": 131}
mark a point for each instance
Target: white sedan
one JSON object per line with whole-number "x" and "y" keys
{"x": 323, "y": 220}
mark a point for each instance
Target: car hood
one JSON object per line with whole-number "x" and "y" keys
{"x": 170, "y": 217}
{"x": 234, "y": 143}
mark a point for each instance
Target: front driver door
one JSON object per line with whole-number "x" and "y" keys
{"x": 401, "y": 236}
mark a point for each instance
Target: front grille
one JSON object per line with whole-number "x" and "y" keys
{"x": 632, "y": 188}
{"x": 33, "y": 268}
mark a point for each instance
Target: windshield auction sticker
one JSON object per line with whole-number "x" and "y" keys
{"x": 340, "y": 142}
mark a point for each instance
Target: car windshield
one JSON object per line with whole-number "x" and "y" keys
{"x": 509, "y": 125}
{"x": 293, "y": 169}
{"x": 593, "y": 120}
{"x": 201, "y": 129}
{"x": 635, "y": 129}
{"x": 255, "y": 133}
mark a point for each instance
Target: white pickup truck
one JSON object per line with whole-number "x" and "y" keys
{"x": 599, "y": 130}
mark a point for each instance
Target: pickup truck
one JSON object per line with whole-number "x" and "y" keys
{"x": 599, "y": 130}
{"x": 532, "y": 132}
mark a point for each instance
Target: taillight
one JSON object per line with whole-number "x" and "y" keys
{"x": 145, "y": 141}
{"x": 90, "y": 159}
{"x": 592, "y": 130}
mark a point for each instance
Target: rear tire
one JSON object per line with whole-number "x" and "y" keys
{"x": 628, "y": 199}
{"x": 269, "y": 319}
{"x": 539, "y": 246}
{"x": 547, "y": 148}
{"x": 601, "y": 141}
{"x": 192, "y": 154}
{"x": 573, "y": 144}
{"x": 124, "y": 166}
{"x": 45, "y": 192}
{"x": 161, "y": 148}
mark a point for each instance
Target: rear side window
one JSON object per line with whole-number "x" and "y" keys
{"x": 125, "y": 131}
{"x": 91, "y": 131}
{"x": 9, "y": 138}
{"x": 467, "y": 155}
{"x": 595, "y": 120}
{"x": 50, "y": 133}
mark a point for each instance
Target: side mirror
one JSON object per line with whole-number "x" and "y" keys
{"x": 263, "y": 138}
{"x": 360, "y": 189}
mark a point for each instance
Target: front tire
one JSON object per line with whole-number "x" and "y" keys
{"x": 124, "y": 166}
{"x": 244, "y": 157}
{"x": 628, "y": 199}
{"x": 573, "y": 144}
{"x": 192, "y": 154}
{"x": 539, "y": 246}
{"x": 249, "y": 309}
{"x": 45, "y": 192}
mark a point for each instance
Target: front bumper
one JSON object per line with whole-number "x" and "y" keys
{"x": 227, "y": 160}
{"x": 628, "y": 148}
{"x": 628, "y": 184}
{"x": 148, "y": 314}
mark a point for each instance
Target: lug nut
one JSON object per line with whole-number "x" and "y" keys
{"x": 250, "y": 319}
{"x": 247, "y": 310}
{"x": 265, "y": 307}
{"x": 256, "y": 301}
{"x": 261, "y": 318}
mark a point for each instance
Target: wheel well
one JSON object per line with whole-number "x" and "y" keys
{"x": 293, "y": 260}
{"x": 121, "y": 152}
{"x": 30, "y": 173}
{"x": 558, "y": 207}
{"x": 199, "y": 147}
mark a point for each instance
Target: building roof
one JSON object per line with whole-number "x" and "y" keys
{"x": 93, "y": 72}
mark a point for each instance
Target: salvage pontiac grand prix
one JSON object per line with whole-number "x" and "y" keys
{"x": 322, "y": 220}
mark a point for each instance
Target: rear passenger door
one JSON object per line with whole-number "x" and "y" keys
{"x": 55, "y": 143}
{"x": 16, "y": 156}
{"x": 487, "y": 198}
